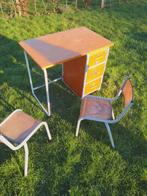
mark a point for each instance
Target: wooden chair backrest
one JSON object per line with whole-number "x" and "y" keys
{"x": 127, "y": 91}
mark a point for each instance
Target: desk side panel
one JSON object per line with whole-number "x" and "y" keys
{"x": 73, "y": 74}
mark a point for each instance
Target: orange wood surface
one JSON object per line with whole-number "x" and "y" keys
{"x": 74, "y": 74}
{"x": 61, "y": 47}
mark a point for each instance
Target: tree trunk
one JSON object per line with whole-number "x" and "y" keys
{"x": 102, "y": 3}
{"x": 21, "y": 7}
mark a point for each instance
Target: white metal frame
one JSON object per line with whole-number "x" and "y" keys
{"x": 85, "y": 74}
{"x": 107, "y": 122}
{"x": 8, "y": 143}
{"x": 47, "y": 82}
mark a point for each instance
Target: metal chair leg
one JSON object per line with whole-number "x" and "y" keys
{"x": 47, "y": 130}
{"x": 78, "y": 126}
{"x": 110, "y": 135}
{"x": 26, "y": 159}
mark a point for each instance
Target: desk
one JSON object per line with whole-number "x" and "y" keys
{"x": 82, "y": 52}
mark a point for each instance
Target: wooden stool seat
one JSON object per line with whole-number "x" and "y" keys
{"x": 18, "y": 126}
{"x": 17, "y": 129}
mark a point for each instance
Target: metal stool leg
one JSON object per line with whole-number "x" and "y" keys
{"x": 78, "y": 126}
{"x": 47, "y": 130}
{"x": 26, "y": 159}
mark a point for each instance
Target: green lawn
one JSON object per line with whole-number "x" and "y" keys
{"x": 86, "y": 165}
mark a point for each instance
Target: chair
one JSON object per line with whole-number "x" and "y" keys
{"x": 17, "y": 129}
{"x": 100, "y": 108}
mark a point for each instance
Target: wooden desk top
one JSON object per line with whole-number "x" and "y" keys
{"x": 60, "y": 47}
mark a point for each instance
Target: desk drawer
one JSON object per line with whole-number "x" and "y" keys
{"x": 95, "y": 72}
{"x": 97, "y": 57}
{"x": 92, "y": 86}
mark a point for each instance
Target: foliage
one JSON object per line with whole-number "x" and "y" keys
{"x": 13, "y": 8}
{"x": 86, "y": 165}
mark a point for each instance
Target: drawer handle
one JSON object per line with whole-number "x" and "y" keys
{"x": 95, "y": 72}
{"x": 92, "y": 85}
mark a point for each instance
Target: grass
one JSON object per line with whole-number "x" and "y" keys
{"x": 87, "y": 165}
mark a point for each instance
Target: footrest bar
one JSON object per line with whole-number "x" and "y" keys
{"x": 47, "y": 112}
{"x": 49, "y": 82}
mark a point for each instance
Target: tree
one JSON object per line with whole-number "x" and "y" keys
{"x": 102, "y": 3}
{"x": 21, "y": 7}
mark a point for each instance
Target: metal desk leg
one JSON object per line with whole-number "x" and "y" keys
{"x": 48, "y": 112}
{"x": 47, "y": 91}
{"x": 29, "y": 72}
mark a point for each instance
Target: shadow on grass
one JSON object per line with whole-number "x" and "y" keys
{"x": 6, "y": 105}
{"x": 129, "y": 142}
{"x": 15, "y": 74}
{"x": 139, "y": 36}
{"x": 61, "y": 173}
{"x": 13, "y": 71}
{"x": 5, "y": 153}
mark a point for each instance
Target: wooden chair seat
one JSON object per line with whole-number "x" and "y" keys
{"x": 97, "y": 108}
{"x": 100, "y": 109}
